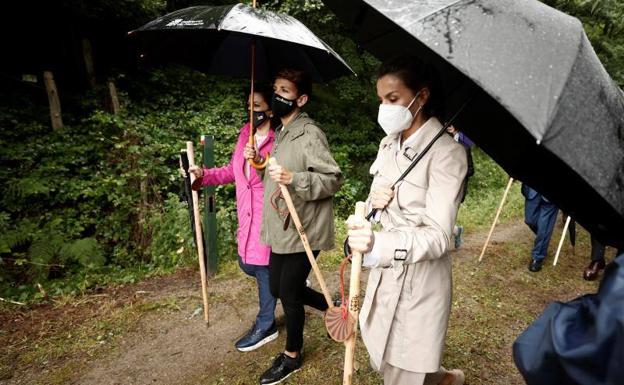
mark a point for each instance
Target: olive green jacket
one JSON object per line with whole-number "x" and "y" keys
{"x": 301, "y": 147}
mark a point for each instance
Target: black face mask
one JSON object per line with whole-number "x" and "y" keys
{"x": 282, "y": 106}
{"x": 259, "y": 117}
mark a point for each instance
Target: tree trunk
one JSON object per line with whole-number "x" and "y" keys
{"x": 114, "y": 100}
{"x": 87, "y": 53}
{"x": 53, "y": 99}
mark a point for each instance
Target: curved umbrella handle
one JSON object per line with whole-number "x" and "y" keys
{"x": 263, "y": 164}
{"x": 260, "y": 166}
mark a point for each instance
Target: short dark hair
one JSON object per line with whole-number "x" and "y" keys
{"x": 299, "y": 77}
{"x": 416, "y": 74}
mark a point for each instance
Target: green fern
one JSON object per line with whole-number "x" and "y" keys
{"x": 86, "y": 251}
{"x": 44, "y": 252}
{"x": 28, "y": 187}
{"x": 20, "y": 236}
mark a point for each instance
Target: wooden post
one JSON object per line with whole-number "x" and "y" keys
{"x": 87, "y": 54}
{"x": 354, "y": 303}
{"x": 53, "y": 99}
{"x": 210, "y": 210}
{"x": 198, "y": 232}
{"x": 114, "y": 100}
{"x": 500, "y": 208}
{"x": 563, "y": 235}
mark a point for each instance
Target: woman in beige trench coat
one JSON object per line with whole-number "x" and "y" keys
{"x": 405, "y": 312}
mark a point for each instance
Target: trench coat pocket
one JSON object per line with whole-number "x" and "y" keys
{"x": 411, "y": 193}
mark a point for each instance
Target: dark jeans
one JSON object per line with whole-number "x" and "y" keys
{"x": 266, "y": 301}
{"x": 287, "y": 277}
{"x": 540, "y": 215}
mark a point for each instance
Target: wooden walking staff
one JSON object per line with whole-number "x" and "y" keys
{"x": 354, "y": 303}
{"x": 563, "y": 235}
{"x": 252, "y": 129}
{"x": 500, "y": 208}
{"x": 304, "y": 239}
{"x": 198, "y": 232}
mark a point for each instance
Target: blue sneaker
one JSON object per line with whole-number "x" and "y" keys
{"x": 458, "y": 237}
{"x": 256, "y": 338}
{"x": 536, "y": 265}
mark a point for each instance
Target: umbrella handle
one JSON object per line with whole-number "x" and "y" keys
{"x": 260, "y": 166}
{"x": 263, "y": 164}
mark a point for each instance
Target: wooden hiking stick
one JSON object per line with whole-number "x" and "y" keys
{"x": 500, "y": 208}
{"x": 563, "y": 235}
{"x": 354, "y": 303}
{"x": 198, "y": 232}
{"x": 304, "y": 239}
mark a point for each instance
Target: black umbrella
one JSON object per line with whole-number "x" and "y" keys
{"x": 217, "y": 40}
{"x": 543, "y": 106}
{"x": 238, "y": 40}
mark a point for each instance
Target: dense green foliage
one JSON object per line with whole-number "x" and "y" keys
{"x": 604, "y": 23}
{"x": 103, "y": 193}
{"x": 101, "y": 199}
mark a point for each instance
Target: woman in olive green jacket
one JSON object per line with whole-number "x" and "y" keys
{"x": 306, "y": 166}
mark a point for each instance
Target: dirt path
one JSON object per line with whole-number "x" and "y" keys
{"x": 151, "y": 332}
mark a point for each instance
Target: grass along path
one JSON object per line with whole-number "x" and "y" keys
{"x": 152, "y": 333}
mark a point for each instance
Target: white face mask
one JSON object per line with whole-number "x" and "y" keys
{"x": 394, "y": 118}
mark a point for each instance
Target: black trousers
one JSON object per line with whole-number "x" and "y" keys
{"x": 287, "y": 280}
{"x": 598, "y": 250}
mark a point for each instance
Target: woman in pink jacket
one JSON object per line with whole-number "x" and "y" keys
{"x": 253, "y": 256}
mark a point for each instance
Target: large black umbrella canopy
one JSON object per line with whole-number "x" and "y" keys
{"x": 543, "y": 106}
{"x": 217, "y": 40}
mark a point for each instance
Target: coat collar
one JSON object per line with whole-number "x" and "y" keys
{"x": 429, "y": 130}
{"x": 269, "y": 139}
{"x": 295, "y": 126}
